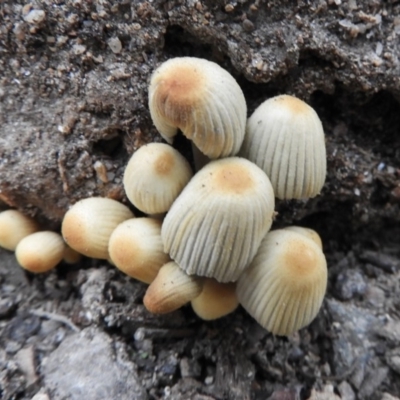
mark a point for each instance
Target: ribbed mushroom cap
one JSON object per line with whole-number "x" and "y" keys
{"x": 154, "y": 177}
{"x": 40, "y": 251}
{"x": 202, "y": 100}
{"x": 310, "y": 233}
{"x": 14, "y": 226}
{"x": 171, "y": 289}
{"x": 285, "y": 284}
{"x": 215, "y": 300}
{"x": 88, "y": 224}
{"x": 136, "y": 248}
{"x": 285, "y": 138}
{"x": 215, "y": 226}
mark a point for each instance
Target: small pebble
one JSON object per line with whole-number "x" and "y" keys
{"x": 35, "y": 17}
{"x": 115, "y": 45}
{"x": 349, "y": 284}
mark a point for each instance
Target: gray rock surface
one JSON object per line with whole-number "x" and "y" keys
{"x": 89, "y": 365}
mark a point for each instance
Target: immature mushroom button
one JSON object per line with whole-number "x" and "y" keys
{"x": 215, "y": 300}
{"x": 40, "y": 251}
{"x": 136, "y": 248}
{"x": 14, "y": 226}
{"x": 285, "y": 284}
{"x": 88, "y": 224}
{"x": 202, "y": 100}
{"x": 310, "y": 233}
{"x": 215, "y": 226}
{"x": 171, "y": 289}
{"x": 285, "y": 138}
{"x": 154, "y": 177}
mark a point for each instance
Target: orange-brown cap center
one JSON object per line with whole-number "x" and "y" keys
{"x": 233, "y": 179}
{"x": 164, "y": 164}
{"x": 293, "y": 104}
{"x": 301, "y": 258}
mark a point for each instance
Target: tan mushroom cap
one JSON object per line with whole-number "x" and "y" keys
{"x": 40, "y": 251}
{"x": 14, "y": 226}
{"x": 88, "y": 224}
{"x": 171, "y": 289}
{"x": 136, "y": 248}
{"x": 202, "y": 100}
{"x": 285, "y": 284}
{"x": 215, "y": 300}
{"x": 154, "y": 177}
{"x": 215, "y": 226}
{"x": 310, "y": 233}
{"x": 285, "y": 138}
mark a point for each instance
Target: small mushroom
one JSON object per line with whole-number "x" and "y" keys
{"x": 40, "y": 251}
{"x": 136, "y": 248}
{"x": 215, "y": 226}
{"x": 285, "y": 138}
{"x": 284, "y": 286}
{"x": 14, "y": 226}
{"x": 215, "y": 300}
{"x": 202, "y": 100}
{"x": 171, "y": 289}
{"x": 88, "y": 224}
{"x": 154, "y": 177}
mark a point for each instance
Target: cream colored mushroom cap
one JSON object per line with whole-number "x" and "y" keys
{"x": 285, "y": 138}
{"x": 154, "y": 177}
{"x": 88, "y": 224}
{"x": 202, "y": 100}
{"x": 310, "y": 233}
{"x": 284, "y": 286}
{"x": 14, "y": 226}
{"x": 40, "y": 251}
{"x": 215, "y": 300}
{"x": 171, "y": 289}
{"x": 215, "y": 226}
{"x": 136, "y": 248}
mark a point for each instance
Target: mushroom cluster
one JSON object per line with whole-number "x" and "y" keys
{"x": 205, "y": 239}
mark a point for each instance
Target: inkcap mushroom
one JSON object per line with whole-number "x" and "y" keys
{"x": 88, "y": 224}
{"x": 215, "y": 226}
{"x": 284, "y": 286}
{"x": 40, "y": 251}
{"x": 202, "y": 100}
{"x": 285, "y": 138}
{"x": 171, "y": 289}
{"x": 154, "y": 177}
{"x": 136, "y": 248}
{"x": 14, "y": 226}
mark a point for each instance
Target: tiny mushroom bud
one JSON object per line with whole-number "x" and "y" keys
{"x": 171, "y": 289}
{"x": 285, "y": 138}
{"x": 202, "y": 100}
{"x": 40, "y": 251}
{"x": 136, "y": 248}
{"x": 215, "y": 300}
{"x": 215, "y": 226}
{"x": 154, "y": 177}
{"x": 14, "y": 226}
{"x": 88, "y": 224}
{"x": 285, "y": 284}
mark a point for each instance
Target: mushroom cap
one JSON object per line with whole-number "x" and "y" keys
{"x": 215, "y": 300}
{"x": 310, "y": 233}
{"x": 40, "y": 251}
{"x": 284, "y": 286}
{"x": 136, "y": 248}
{"x": 171, "y": 289}
{"x": 215, "y": 226}
{"x": 14, "y": 226}
{"x": 154, "y": 177}
{"x": 202, "y": 100}
{"x": 88, "y": 224}
{"x": 71, "y": 256}
{"x": 285, "y": 138}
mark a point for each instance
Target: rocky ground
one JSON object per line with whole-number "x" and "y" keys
{"x": 73, "y": 107}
